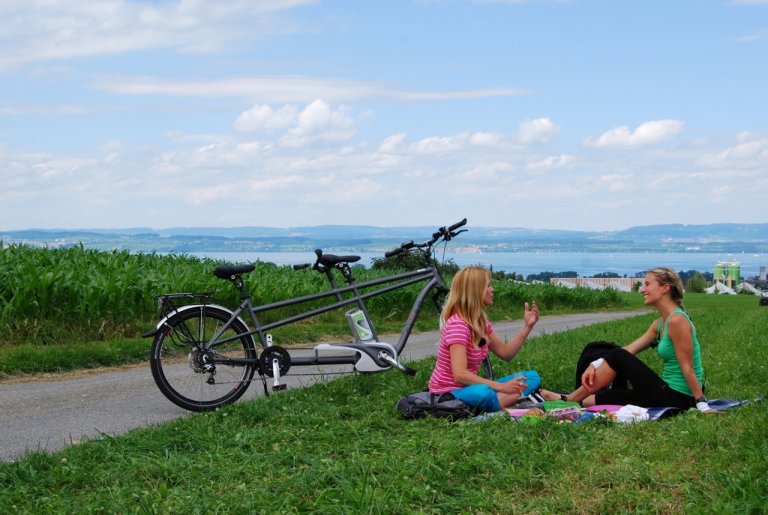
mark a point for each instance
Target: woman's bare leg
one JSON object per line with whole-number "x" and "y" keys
{"x": 580, "y": 395}
{"x": 551, "y": 396}
{"x": 507, "y": 400}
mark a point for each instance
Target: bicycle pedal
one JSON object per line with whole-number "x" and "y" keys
{"x": 279, "y": 387}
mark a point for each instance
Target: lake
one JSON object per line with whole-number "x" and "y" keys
{"x": 586, "y": 264}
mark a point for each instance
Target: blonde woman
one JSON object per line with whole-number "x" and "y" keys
{"x": 674, "y": 336}
{"x": 465, "y": 340}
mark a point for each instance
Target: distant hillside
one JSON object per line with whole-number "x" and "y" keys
{"x": 731, "y": 238}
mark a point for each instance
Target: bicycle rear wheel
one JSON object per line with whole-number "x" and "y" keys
{"x": 191, "y": 376}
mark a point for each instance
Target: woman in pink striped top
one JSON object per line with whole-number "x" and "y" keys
{"x": 465, "y": 340}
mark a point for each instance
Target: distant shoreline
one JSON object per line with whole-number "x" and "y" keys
{"x": 712, "y": 238}
{"x": 586, "y": 264}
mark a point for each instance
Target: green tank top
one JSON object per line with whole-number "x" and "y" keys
{"x": 672, "y": 374}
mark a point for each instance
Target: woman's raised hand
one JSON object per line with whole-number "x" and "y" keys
{"x": 531, "y": 315}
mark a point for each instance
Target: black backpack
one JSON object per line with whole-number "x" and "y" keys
{"x": 593, "y": 351}
{"x": 425, "y": 404}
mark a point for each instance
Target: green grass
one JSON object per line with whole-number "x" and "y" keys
{"x": 28, "y": 359}
{"x": 340, "y": 447}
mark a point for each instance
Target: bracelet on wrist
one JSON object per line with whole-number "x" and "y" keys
{"x": 701, "y": 399}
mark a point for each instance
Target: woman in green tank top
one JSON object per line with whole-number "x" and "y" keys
{"x": 673, "y": 335}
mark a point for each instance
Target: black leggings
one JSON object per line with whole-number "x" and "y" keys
{"x": 648, "y": 389}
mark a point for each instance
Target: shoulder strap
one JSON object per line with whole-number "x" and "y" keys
{"x": 680, "y": 311}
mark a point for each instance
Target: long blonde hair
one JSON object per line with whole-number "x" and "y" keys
{"x": 466, "y": 299}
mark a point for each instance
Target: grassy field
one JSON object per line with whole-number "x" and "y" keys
{"x": 340, "y": 447}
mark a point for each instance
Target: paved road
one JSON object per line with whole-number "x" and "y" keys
{"x": 49, "y": 415}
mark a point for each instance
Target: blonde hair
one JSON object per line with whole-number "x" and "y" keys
{"x": 668, "y": 276}
{"x": 466, "y": 299}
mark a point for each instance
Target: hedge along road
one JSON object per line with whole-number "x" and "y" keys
{"x": 48, "y": 415}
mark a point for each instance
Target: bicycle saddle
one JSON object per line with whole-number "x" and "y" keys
{"x": 330, "y": 260}
{"x": 227, "y": 271}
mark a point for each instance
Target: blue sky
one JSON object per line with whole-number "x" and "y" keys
{"x": 571, "y": 114}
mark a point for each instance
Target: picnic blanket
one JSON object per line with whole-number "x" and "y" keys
{"x": 573, "y": 412}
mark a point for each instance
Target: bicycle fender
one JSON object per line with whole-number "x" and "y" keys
{"x": 161, "y": 323}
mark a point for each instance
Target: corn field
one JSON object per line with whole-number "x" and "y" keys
{"x": 79, "y": 294}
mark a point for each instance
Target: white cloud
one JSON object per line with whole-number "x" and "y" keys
{"x": 266, "y": 119}
{"x": 491, "y": 171}
{"x": 486, "y": 139}
{"x": 267, "y": 185}
{"x": 561, "y": 190}
{"x": 208, "y": 193}
{"x": 280, "y": 89}
{"x": 722, "y": 193}
{"x": 337, "y": 177}
{"x": 750, "y": 152}
{"x": 318, "y": 122}
{"x": 40, "y": 30}
{"x": 551, "y": 162}
{"x": 349, "y": 192}
{"x": 392, "y": 143}
{"x": 647, "y": 133}
{"x": 540, "y": 130}
{"x": 439, "y": 144}
{"x": 615, "y": 183}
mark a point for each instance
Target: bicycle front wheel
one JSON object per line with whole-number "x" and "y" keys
{"x": 196, "y": 378}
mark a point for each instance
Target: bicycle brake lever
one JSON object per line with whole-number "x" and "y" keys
{"x": 318, "y": 265}
{"x": 453, "y": 234}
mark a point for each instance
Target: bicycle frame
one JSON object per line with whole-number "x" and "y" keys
{"x": 401, "y": 280}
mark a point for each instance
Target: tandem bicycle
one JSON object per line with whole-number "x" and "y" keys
{"x": 205, "y": 354}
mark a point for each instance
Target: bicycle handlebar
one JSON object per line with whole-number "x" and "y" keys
{"x": 402, "y": 248}
{"x": 442, "y": 233}
{"x": 457, "y": 225}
